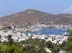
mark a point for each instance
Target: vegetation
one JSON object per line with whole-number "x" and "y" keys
{"x": 68, "y": 45}
{"x": 34, "y": 46}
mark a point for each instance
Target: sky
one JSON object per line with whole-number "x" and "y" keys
{"x": 8, "y": 7}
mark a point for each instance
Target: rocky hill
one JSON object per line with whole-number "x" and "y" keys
{"x": 35, "y": 16}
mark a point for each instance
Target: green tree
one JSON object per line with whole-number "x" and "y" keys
{"x": 49, "y": 44}
{"x": 10, "y": 40}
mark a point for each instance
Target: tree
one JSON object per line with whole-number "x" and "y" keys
{"x": 68, "y": 45}
{"x": 10, "y": 40}
{"x": 49, "y": 44}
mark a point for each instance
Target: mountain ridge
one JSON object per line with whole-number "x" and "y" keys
{"x": 36, "y": 16}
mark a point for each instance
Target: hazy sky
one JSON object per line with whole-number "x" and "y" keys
{"x": 51, "y": 6}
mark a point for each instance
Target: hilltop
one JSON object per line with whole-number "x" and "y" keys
{"x": 36, "y": 16}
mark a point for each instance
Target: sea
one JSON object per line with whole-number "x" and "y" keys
{"x": 52, "y": 31}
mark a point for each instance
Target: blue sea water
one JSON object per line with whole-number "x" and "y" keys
{"x": 47, "y": 31}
